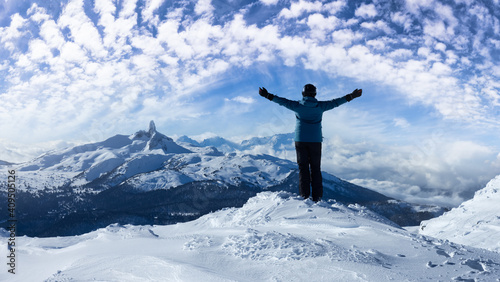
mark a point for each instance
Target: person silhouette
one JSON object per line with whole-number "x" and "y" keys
{"x": 308, "y": 134}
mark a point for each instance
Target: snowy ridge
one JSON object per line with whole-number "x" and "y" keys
{"x": 475, "y": 222}
{"x": 275, "y": 236}
{"x": 276, "y": 142}
{"x": 234, "y": 169}
{"x": 4, "y": 163}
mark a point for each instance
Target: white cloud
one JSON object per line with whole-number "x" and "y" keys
{"x": 105, "y": 7}
{"x": 335, "y": 6}
{"x": 117, "y": 30}
{"x": 320, "y": 25}
{"x": 83, "y": 31}
{"x": 39, "y": 51}
{"x": 51, "y": 33}
{"x": 378, "y": 25}
{"x": 446, "y": 13}
{"x": 12, "y": 32}
{"x": 269, "y": 2}
{"x": 401, "y": 54}
{"x": 148, "y": 12}
{"x": 440, "y": 47}
{"x": 434, "y": 168}
{"x": 148, "y": 45}
{"x": 402, "y": 19}
{"x": 168, "y": 33}
{"x": 438, "y": 29}
{"x": 401, "y": 122}
{"x": 72, "y": 53}
{"x": 204, "y": 7}
{"x": 416, "y": 6}
{"x": 345, "y": 37}
{"x": 243, "y": 99}
{"x": 298, "y": 8}
{"x": 366, "y": 11}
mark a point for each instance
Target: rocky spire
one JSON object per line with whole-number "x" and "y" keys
{"x": 152, "y": 128}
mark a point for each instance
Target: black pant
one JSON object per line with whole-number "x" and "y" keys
{"x": 309, "y": 161}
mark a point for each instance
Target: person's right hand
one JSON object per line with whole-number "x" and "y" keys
{"x": 263, "y": 92}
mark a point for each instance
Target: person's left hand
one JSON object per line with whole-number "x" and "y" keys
{"x": 263, "y": 92}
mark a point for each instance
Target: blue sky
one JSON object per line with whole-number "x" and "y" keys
{"x": 425, "y": 129}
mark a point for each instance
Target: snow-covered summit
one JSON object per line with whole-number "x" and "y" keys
{"x": 157, "y": 141}
{"x": 475, "y": 222}
{"x": 114, "y": 149}
{"x": 275, "y": 236}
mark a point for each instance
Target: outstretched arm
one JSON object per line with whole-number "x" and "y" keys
{"x": 289, "y": 104}
{"x": 263, "y": 92}
{"x": 328, "y": 105}
{"x": 355, "y": 94}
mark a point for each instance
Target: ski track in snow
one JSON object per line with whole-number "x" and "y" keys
{"x": 275, "y": 236}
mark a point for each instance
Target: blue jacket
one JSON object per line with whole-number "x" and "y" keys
{"x": 309, "y": 113}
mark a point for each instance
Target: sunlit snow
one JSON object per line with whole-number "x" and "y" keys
{"x": 275, "y": 236}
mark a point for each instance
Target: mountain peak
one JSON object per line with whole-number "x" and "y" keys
{"x": 148, "y": 134}
{"x": 152, "y": 128}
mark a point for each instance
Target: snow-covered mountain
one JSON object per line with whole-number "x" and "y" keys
{"x": 276, "y": 142}
{"x": 475, "y": 222}
{"x": 220, "y": 143}
{"x": 275, "y": 236}
{"x": 148, "y": 160}
{"x": 147, "y": 178}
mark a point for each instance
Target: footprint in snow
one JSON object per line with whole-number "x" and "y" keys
{"x": 474, "y": 264}
{"x": 430, "y": 264}
{"x": 441, "y": 252}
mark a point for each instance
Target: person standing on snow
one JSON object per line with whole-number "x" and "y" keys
{"x": 308, "y": 135}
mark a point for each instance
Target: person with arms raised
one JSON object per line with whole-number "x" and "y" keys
{"x": 308, "y": 134}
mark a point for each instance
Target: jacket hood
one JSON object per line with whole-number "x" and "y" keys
{"x": 309, "y": 102}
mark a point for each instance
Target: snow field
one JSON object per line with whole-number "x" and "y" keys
{"x": 275, "y": 236}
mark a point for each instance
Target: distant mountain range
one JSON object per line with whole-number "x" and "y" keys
{"x": 275, "y": 142}
{"x": 147, "y": 178}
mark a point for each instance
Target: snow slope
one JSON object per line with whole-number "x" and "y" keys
{"x": 475, "y": 222}
{"x": 2, "y": 163}
{"x": 275, "y": 236}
